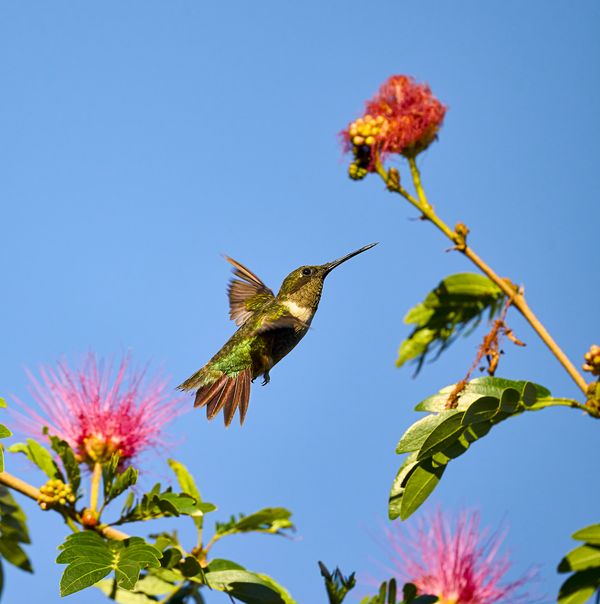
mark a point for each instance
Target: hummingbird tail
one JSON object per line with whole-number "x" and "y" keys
{"x": 228, "y": 393}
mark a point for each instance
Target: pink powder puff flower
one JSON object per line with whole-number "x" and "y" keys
{"x": 99, "y": 413}
{"x": 460, "y": 566}
{"x": 403, "y": 117}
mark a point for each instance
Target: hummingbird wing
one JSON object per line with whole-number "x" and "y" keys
{"x": 246, "y": 294}
{"x": 286, "y": 321}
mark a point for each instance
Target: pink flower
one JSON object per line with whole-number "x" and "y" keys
{"x": 460, "y": 566}
{"x": 99, "y": 411}
{"x": 403, "y": 117}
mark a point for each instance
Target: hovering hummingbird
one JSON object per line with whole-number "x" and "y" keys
{"x": 270, "y": 326}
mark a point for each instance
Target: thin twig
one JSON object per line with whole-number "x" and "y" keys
{"x": 518, "y": 298}
{"x": 32, "y": 492}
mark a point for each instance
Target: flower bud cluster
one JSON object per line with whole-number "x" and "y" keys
{"x": 367, "y": 129}
{"x": 55, "y": 492}
{"x": 592, "y": 360}
{"x": 402, "y": 118}
{"x": 593, "y": 399}
{"x": 363, "y": 136}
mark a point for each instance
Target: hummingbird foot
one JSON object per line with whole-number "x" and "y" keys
{"x": 266, "y": 378}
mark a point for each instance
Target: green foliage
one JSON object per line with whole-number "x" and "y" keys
{"x": 44, "y": 460}
{"x": 185, "y": 479}
{"x": 188, "y": 485}
{"x": 40, "y": 456}
{"x": 160, "y": 504}
{"x": 245, "y": 586}
{"x": 115, "y": 479}
{"x": 151, "y": 587}
{"x": 584, "y": 563}
{"x": 4, "y": 433}
{"x": 69, "y": 461}
{"x": 142, "y": 572}
{"x": 13, "y": 532}
{"x": 387, "y": 595}
{"x": 458, "y": 302}
{"x": 336, "y": 585}
{"x": 267, "y": 520}
{"x": 436, "y": 439}
{"x": 90, "y": 558}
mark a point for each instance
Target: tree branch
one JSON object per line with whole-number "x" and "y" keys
{"x": 517, "y": 297}
{"x": 12, "y": 482}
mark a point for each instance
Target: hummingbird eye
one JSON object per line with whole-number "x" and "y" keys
{"x": 307, "y": 271}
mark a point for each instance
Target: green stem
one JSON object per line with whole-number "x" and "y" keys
{"x": 557, "y": 402}
{"x": 517, "y": 297}
{"x": 71, "y": 523}
{"x": 212, "y": 541}
{"x": 95, "y": 486}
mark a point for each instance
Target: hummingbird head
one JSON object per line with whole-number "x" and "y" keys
{"x": 302, "y": 288}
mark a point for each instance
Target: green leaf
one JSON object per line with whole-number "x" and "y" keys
{"x": 4, "y": 431}
{"x": 458, "y": 302}
{"x": 115, "y": 479}
{"x": 579, "y": 587}
{"x": 160, "y": 504}
{"x": 185, "y": 479}
{"x": 122, "y": 482}
{"x": 69, "y": 461}
{"x": 121, "y": 596}
{"x": 12, "y": 552}
{"x": 475, "y": 389}
{"x": 90, "y": 558}
{"x": 585, "y": 561}
{"x": 388, "y": 593}
{"x": 415, "y": 436}
{"x": 171, "y": 557}
{"x": 282, "y": 591}
{"x": 39, "y": 456}
{"x": 509, "y": 400}
{"x": 589, "y": 534}
{"x": 219, "y": 564}
{"x": 152, "y": 585}
{"x": 480, "y": 410}
{"x": 581, "y": 558}
{"x": 13, "y": 531}
{"x": 397, "y": 490}
{"x": 188, "y": 485}
{"x": 447, "y": 432}
{"x": 190, "y": 567}
{"x": 267, "y": 520}
{"x": 529, "y": 395}
{"x": 12, "y": 518}
{"x": 409, "y": 591}
{"x": 244, "y": 586}
{"x": 380, "y": 598}
{"x": 419, "y": 486}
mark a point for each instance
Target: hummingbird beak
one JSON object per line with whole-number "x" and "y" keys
{"x": 331, "y": 265}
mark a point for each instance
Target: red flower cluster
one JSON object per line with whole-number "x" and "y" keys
{"x": 403, "y": 117}
{"x": 99, "y": 413}
{"x": 459, "y": 566}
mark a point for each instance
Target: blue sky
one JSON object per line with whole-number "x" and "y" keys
{"x": 141, "y": 140}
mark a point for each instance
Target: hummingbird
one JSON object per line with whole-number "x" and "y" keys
{"x": 270, "y": 326}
